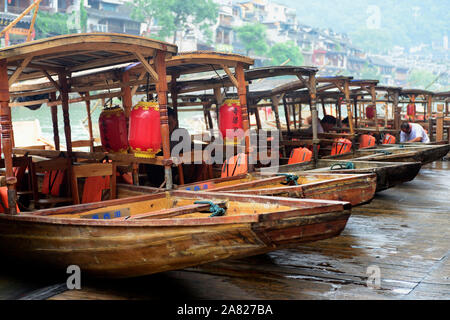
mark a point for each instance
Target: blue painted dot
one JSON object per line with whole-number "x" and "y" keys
{"x": 205, "y": 186}
{"x": 106, "y": 216}
{"x": 95, "y": 216}
{"x": 196, "y": 188}
{"x": 117, "y": 214}
{"x": 189, "y": 188}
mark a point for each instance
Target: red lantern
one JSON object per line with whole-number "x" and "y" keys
{"x": 411, "y": 109}
{"x": 144, "y": 134}
{"x": 230, "y": 120}
{"x": 113, "y": 130}
{"x": 370, "y": 112}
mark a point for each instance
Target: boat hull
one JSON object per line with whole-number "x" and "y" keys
{"x": 388, "y": 174}
{"x": 130, "y": 248}
{"x": 416, "y": 153}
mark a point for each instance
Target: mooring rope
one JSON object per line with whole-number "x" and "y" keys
{"x": 343, "y": 165}
{"x": 216, "y": 211}
{"x": 289, "y": 178}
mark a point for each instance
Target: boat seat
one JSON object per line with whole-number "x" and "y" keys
{"x": 56, "y": 175}
{"x": 99, "y": 177}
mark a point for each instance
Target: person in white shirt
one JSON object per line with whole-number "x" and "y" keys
{"x": 413, "y": 132}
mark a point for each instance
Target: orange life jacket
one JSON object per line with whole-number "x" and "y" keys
{"x": 4, "y": 200}
{"x": 366, "y": 141}
{"x": 389, "y": 139}
{"x": 93, "y": 188}
{"x": 235, "y": 166}
{"x": 299, "y": 155}
{"x": 341, "y": 146}
{"x": 52, "y": 182}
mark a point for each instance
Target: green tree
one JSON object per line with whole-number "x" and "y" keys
{"x": 421, "y": 79}
{"x": 50, "y": 24}
{"x": 83, "y": 17}
{"x": 175, "y": 15}
{"x": 281, "y": 52}
{"x": 370, "y": 73}
{"x": 253, "y": 37}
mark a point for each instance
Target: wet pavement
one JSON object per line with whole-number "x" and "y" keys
{"x": 396, "y": 247}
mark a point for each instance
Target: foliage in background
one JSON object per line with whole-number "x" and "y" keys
{"x": 51, "y": 24}
{"x": 281, "y": 52}
{"x": 83, "y": 17}
{"x": 370, "y": 73}
{"x": 405, "y": 22}
{"x": 253, "y": 37}
{"x": 419, "y": 78}
{"x": 176, "y": 15}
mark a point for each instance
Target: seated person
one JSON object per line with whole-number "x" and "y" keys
{"x": 413, "y": 132}
{"x": 325, "y": 125}
{"x": 345, "y": 123}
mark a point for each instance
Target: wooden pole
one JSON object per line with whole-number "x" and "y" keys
{"x": 430, "y": 115}
{"x": 91, "y": 134}
{"x": 440, "y": 123}
{"x": 127, "y": 99}
{"x": 65, "y": 107}
{"x": 33, "y": 20}
{"x": 355, "y": 102}
{"x": 54, "y": 111}
{"x": 286, "y": 115}
{"x": 349, "y": 108}
{"x": 373, "y": 95}
{"x": 314, "y": 115}
{"x": 162, "y": 89}
{"x": 6, "y": 131}
{"x": 174, "y": 95}
{"x": 242, "y": 91}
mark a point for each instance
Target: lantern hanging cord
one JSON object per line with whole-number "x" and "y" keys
{"x": 221, "y": 79}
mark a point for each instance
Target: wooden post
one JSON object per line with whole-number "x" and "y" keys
{"x": 65, "y": 107}
{"x": 127, "y": 99}
{"x": 373, "y": 95}
{"x": 430, "y": 115}
{"x": 286, "y": 114}
{"x": 91, "y": 134}
{"x": 54, "y": 111}
{"x": 355, "y": 102}
{"x": 6, "y": 130}
{"x": 162, "y": 89}
{"x": 440, "y": 123}
{"x": 314, "y": 115}
{"x": 174, "y": 95}
{"x": 349, "y": 108}
{"x": 242, "y": 92}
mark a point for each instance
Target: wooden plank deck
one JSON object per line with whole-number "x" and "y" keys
{"x": 404, "y": 232}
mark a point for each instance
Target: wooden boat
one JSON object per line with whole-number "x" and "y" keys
{"x": 354, "y": 188}
{"x": 389, "y": 174}
{"x": 150, "y": 233}
{"x": 418, "y": 153}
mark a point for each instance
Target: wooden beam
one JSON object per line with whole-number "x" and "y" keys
{"x": 49, "y": 77}
{"x": 19, "y": 70}
{"x": 230, "y": 75}
{"x": 147, "y": 66}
